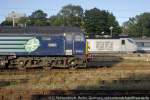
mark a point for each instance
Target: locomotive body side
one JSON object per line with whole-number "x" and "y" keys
{"x": 49, "y": 51}
{"x": 111, "y": 45}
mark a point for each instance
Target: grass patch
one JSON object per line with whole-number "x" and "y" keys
{"x": 11, "y": 83}
{"x": 7, "y": 83}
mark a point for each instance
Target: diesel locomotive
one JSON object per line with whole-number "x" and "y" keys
{"x": 42, "y": 50}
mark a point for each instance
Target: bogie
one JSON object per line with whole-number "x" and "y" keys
{"x": 23, "y": 63}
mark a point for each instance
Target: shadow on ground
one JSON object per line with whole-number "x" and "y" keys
{"x": 104, "y": 61}
{"x": 137, "y": 84}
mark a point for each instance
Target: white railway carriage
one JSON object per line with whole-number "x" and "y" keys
{"x": 143, "y": 45}
{"x": 111, "y": 45}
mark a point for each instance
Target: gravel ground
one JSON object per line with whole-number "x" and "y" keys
{"x": 121, "y": 76}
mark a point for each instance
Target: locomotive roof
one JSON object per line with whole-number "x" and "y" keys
{"x": 103, "y": 37}
{"x": 142, "y": 39}
{"x": 39, "y": 29}
{"x": 33, "y": 34}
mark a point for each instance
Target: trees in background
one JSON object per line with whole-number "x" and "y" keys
{"x": 92, "y": 21}
{"x": 7, "y": 23}
{"x": 56, "y": 20}
{"x": 38, "y": 18}
{"x": 70, "y": 15}
{"x": 138, "y": 26}
{"x": 99, "y": 21}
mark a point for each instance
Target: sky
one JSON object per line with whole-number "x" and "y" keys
{"x": 122, "y": 9}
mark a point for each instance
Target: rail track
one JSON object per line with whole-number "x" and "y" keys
{"x": 55, "y": 94}
{"x": 35, "y": 94}
{"x": 108, "y": 67}
{"x": 100, "y": 68}
{"x": 99, "y": 61}
{"x": 26, "y": 71}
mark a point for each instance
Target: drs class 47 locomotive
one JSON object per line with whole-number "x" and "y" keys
{"x": 45, "y": 51}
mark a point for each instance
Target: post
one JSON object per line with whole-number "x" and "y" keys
{"x": 13, "y": 18}
{"x": 111, "y": 29}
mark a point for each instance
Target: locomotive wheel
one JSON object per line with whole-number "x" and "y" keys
{"x": 73, "y": 64}
{"x": 21, "y": 65}
{"x": 2, "y": 64}
{"x": 47, "y": 65}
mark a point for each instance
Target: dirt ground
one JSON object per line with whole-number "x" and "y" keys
{"x": 93, "y": 78}
{"x": 122, "y": 76}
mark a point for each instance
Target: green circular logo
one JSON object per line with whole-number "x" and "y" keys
{"x": 32, "y": 44}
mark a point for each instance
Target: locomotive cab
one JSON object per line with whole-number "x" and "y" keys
{"x": 127, "y": 45}
{"x": 75, "y": 44}
{"x": 79, "y": 44}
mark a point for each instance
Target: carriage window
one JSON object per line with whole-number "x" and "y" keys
{"x": 140, "y": 44}
{"x": 123, "y": 42}
{"x": 131, "y": 41}
{"x": 69, "y": 38}
{"x": 146, "y": 44}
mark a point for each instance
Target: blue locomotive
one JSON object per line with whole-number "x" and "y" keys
{"x": 42, "y": 50}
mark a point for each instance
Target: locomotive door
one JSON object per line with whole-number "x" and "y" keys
{"x": 79, "y": 44}
{"x": 69, "y": 44}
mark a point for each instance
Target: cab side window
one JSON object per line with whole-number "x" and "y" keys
{"x": 69, "y": 38}
{"x": 79, "y": 38}
{"x": 123, "y": 42}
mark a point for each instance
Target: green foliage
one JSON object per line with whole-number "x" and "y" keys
{"x": 38, "y": 14}
{"x": 69, "y": 15}
{"x": 98, "y": 21}
{"x": 113, "y": 22}
{"x": 23, "y": 21}
{"x": 38, "y": 18}
{"x": 138, "y": 26}
{"x": 7, "y": 23}
{"x": 56, "y": 21}
{"x": 92, "y": 21}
